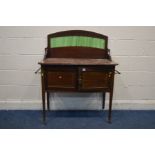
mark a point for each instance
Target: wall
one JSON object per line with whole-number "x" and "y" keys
{"x": 22, "y": 47}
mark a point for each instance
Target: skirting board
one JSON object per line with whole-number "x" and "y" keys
{"x": 117, "y": 105}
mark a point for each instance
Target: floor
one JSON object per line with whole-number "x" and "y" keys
{"x": 121, "y": 119}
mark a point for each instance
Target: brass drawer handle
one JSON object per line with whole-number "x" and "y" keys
{"x": 60, "y": 77}
{"x": 83, "y": 69}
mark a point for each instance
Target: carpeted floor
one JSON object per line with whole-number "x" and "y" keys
{"x": 121, "y": 119}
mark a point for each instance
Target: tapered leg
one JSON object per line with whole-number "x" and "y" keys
{"x": 111, "y": 77}
{"x": 103, "y": 100}
{"x": 48, "y": 101}
{"x": 43, "y": 96}
{"x": 110, "y": 106}
{"x": 44, "y": 110}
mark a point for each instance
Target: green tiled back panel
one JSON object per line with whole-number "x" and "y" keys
{"x": 77, "y": 41}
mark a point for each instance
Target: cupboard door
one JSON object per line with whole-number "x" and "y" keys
{"x": 91, "y": 79}
{"x": 64, "y": 79}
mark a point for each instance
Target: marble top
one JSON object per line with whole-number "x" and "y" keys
{"x": 76, "y": 61}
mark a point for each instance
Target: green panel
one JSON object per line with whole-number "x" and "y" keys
{"x": 77, "y": 41}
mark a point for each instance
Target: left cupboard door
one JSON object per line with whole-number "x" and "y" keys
{"x": 61, "y": 79}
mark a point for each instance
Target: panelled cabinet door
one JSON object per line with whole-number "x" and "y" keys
{"x": 62, "y": 80}
{"x": 91, "y": 79}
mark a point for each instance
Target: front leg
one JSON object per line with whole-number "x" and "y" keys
{"x": 48, "y": 101}
{"x": 43, "y": 96}
{"x": 103, "y": 100}
{"x": 110, "y": 106}
{"x": 111, "y": 76}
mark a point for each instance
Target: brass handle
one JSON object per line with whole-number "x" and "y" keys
{"x": 83, "y": 69}
{"x": 60, "y": 77}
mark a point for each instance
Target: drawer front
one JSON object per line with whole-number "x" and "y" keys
{"x": 61, "y": 79}
{"x": 95, "y": 80}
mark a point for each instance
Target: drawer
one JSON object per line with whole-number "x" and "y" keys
{"x": 91, "y": 79}
{"x": 64, "y": 79}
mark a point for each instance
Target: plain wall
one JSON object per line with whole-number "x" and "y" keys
{"x": 22, "y": 47}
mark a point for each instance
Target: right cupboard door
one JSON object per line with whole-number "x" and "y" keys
{"x": 92, "y": 79}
